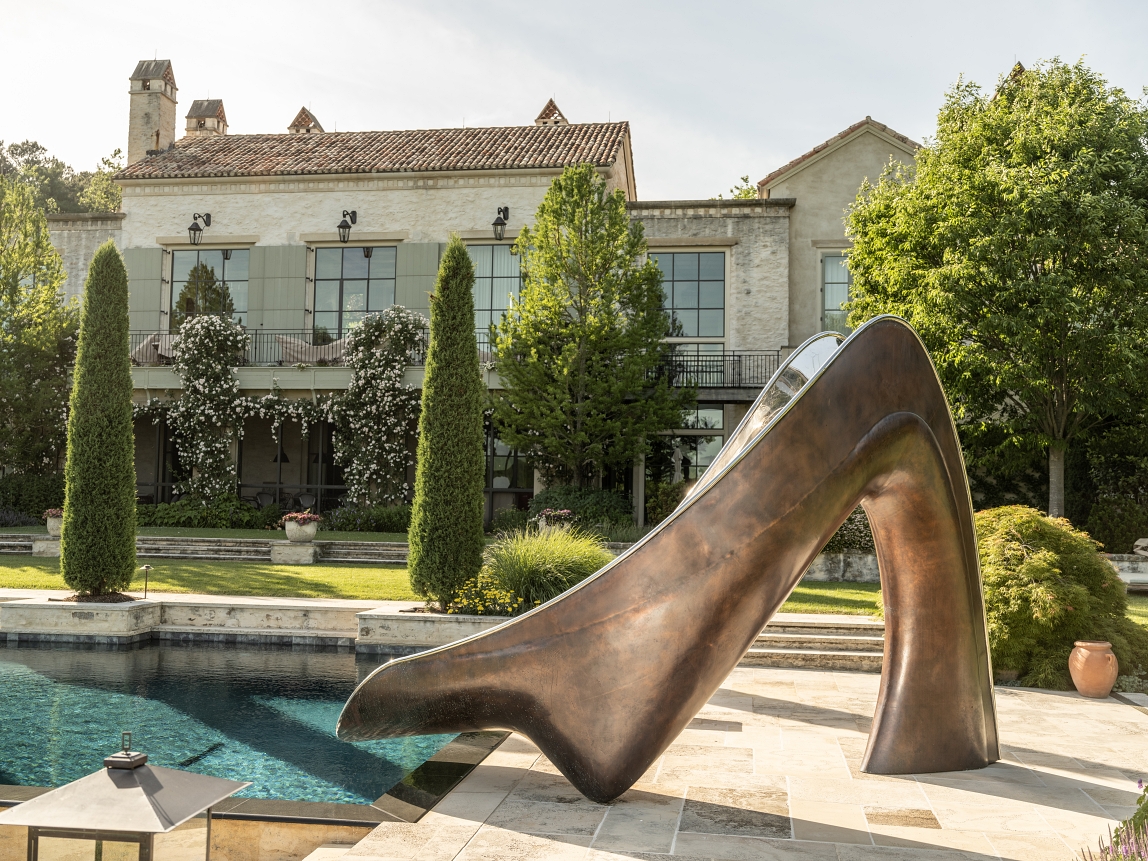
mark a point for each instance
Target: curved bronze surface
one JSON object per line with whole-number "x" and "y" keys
{"x": 606, "y": 675}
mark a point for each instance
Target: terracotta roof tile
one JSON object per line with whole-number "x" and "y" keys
{"x": 868, "y": 122}
{"x": 521, "y": 147}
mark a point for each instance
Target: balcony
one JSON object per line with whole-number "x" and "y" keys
{"x": 733, "y": 369}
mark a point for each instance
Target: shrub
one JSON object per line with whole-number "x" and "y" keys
{"x": 9, "y": 518}
{"x": 1117, "y": 523}
{"x": 591, "y": 507}
{"x": 538, "y": 565}
{"x": 508, "y": 519}
{"x": 662, "y": 497}
{"x": 1046, "y": 586}
{"x": 31, "y": 494}
{"x": 446, "y": 537}
{"x": 98, "y": 540}
{"x": 484, "y": 596}
{"x": 224, "y": 512}
{"x": 854, "y": 536}
{"x": 368, "y": 518}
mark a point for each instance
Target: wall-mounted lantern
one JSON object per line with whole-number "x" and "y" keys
{"x": 344, "y": 226}
{"x": 194, "y": 231}
{"x": 499, "y": 223}
{"x": 125, "y": 811}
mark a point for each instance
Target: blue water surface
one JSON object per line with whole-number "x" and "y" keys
{"x": 263, "y": 715}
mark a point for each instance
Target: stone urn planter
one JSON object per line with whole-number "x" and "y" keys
{"x": 1093, "y": 668}
{"x": 55, "y": 524}
{"x": 300, "y": 533}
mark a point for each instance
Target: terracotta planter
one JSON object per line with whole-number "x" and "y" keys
{"x": 301, "y": 533}
{"x": 1093, "y": 667}
{"x": 55, "y": 524}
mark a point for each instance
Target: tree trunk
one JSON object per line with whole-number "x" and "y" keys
{"x": 1056, "y": 478}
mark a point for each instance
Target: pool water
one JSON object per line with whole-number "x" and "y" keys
{"x": 266, "y": 715}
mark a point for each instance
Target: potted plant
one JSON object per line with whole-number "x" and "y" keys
{"x": 301, "y": 526}
{"x": 54, "y": 517}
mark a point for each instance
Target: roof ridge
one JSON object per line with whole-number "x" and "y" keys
{"x": 840, "y": 136}
{"x": 388, "y": 151}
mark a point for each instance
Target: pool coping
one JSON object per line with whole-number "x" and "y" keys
{"x": 407, "y": 801}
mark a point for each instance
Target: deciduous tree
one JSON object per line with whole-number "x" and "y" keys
{"x": 579, "y": 352}
{"x": 1018, "y": 248}
{"x": 37, "y": 338}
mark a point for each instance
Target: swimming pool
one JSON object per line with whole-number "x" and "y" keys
{"x": 266, "y": 715}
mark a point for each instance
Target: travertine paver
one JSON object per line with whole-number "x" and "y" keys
{"x": 771, "y": 769}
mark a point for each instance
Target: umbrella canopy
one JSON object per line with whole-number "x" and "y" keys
{"x": 145, "y": 799}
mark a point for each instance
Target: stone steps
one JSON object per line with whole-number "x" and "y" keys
{"x": 831, "y": 645}
{"x": 15, "y": 544}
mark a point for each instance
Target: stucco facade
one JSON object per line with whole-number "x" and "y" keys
{"x": 822, "y": 184}
{"x": 76, "y": 236}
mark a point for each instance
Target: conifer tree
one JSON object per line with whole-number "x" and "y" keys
{"x": 98, "y": 541}
{"x": 446, "y": 539}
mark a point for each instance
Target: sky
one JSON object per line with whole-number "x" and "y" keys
{"x": 712, "y": 91}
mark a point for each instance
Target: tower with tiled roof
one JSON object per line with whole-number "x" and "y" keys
{"x": 151, "y": 122}
{"x": 206, "y": 119}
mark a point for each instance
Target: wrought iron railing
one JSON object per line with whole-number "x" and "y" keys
{"x": 264, "y": 348}
{"x": 731, "y": 369}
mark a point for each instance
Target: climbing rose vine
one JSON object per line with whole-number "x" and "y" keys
{"x": 375, "y": 417}
{"x": 208, "y": 416}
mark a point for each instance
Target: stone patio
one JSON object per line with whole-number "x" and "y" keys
{"x": 770, "y": 769}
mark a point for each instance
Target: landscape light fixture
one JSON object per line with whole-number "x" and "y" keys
{"x": 499, "y": 223}
{"x": 194, "y": 231}
{"x": 344, "y": 226}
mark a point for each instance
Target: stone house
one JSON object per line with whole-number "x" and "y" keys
{"x": 307, "y": 230}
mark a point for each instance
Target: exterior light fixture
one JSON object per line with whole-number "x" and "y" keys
{"x": 344, "y": 226}
{"x": 226, "y": 253}
{"x": 194, "y": 231}
{"x": 499, "y": 223}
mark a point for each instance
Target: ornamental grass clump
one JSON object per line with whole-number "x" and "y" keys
{"x": 98, "y": 538}
{"x": 537, "y": 565}
{"x": 1045, "y": 587}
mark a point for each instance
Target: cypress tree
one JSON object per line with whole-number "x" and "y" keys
{"x": 98, "y": 541}
{"x": 446, "y": 539}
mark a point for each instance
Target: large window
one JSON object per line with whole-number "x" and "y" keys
{"x": 694, "y": 283}
{"x": 209, "y": 281}
{"x": 349, "y": 283}
{"x": 835, "y": 292}
{"x": 497, "y": 277}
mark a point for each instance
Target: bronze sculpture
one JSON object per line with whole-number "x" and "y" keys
{"x": 605, "y": 676}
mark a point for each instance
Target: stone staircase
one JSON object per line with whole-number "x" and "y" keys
{"x": 214, "y": 549}
{"x": 835, "y": 643}
{"x": 16, "y": 544}
{"x": 378, "y": 552}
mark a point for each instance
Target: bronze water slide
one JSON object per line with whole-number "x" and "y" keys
{"x": 605, "y": 676}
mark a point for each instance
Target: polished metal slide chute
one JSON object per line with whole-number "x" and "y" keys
{"x": 605, "y": 676}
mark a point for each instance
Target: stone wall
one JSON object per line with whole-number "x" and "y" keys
{"x": 76, "y": 236}
{"x": 755, "y": 236}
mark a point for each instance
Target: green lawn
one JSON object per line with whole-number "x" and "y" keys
{"x": 369, "y": 582}
{"x": 1138, "y": 608}
{"x": 853, "y": 599}
{"x": 273, "y": 534}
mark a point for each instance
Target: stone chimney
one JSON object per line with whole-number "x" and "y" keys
{"x": 151, "y": 121}
{"x": 206, "y": 119}
{"x": 305, "y": 123}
